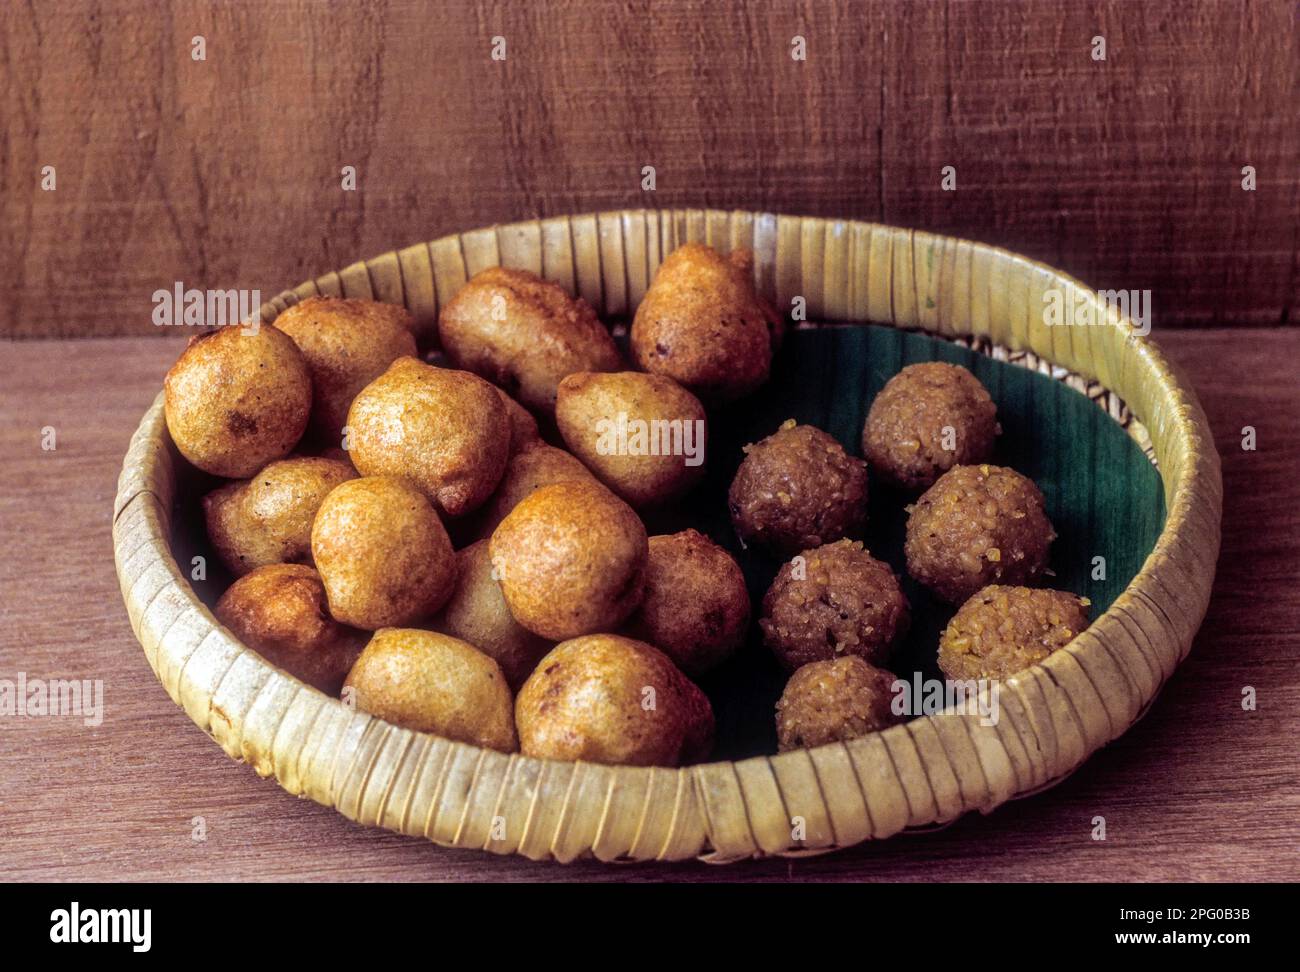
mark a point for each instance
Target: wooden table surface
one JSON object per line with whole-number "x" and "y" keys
{"x": 1198, "y": 790}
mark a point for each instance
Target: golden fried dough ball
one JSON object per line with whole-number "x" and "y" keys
{"x": 524, "y": 333}
{"x": 642, "y": 435}
{"x": 445, "y": 431}
{"x": 1002, "y": 630}
{"x": 834, "y": 701}
{"x": 928, "y": 418}
{"x": 696, "y": 607}
{"x": 523, "y": 427}
{"x": 382, "y": 553}
{"x": 348, "y": 344}
{"x": 434, "y": 683}
{"x": 536, "y": 466}
{"x": 702, "y": 324}
{"x": 796, "y": 489}
{"x": 267, "y": 519}
{"x": 279, "y": 611}
{"x": 235, "y": 400}
{"x": 477, "y": 613}
{"x": 608, "y": 699}
{"x": 571, "y": 560}
{"x": 830, "y": 601}
{"x": 974, "y": 526}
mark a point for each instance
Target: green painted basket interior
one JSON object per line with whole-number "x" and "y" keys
{"x": 1103, "y": 495}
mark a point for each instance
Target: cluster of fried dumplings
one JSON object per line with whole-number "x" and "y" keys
{"x": 456, "y": 543}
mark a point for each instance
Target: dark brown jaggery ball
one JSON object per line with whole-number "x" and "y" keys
{"x": 280, "y": 612}
{"x": 1002, "y": 630}
{"x": 975, "y": 526}
{"x": 696, "y": 606}
{"x": 928, "y": 418}
{"x": 797, "y": 489}
{"x": 831, "y": 601}
{"x": 702, "y": 324}
{"x": 834, "y": 701}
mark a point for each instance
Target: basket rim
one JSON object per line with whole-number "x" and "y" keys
{"x": 1171, "y": 589}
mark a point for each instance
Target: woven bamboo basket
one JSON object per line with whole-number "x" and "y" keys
{"x": 917, "y": 775}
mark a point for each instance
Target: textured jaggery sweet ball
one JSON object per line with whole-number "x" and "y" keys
{"x": 834, "y": 701}
{"x": 280, "y": 612}
{"x": 478, "y": 613}
{"x": 696, "y": 607}
{"x": 382, "y": 553}
{"x": 524, "y": 333}
{"x": 928, "y": 418}
{"x": 537, "y": 465}
{"x": 975, "y": 526}
{"x": 702, "y": 324}
{"x": 830, "y": 601}
{"x": 434, "y": 683}
{"x": 235, "y": 401}
{"x": 642, "y": 435}
{"x": 445, "y": 431}
{"x": 347, "y": 343}
{"x": 613, "y": 700}
{"x": 571, "y": 560}
{"x": 1002, "y": 630}
{"x": 797, "y": 489}
{"x": 267, "y": 519}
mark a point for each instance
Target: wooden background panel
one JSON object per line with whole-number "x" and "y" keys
{"x": 226, "y": 173}
{"x": 1128, "y": 172}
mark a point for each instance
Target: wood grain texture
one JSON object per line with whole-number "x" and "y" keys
{"x": 226, "y": 172}
{"x": 1198, "y": 790}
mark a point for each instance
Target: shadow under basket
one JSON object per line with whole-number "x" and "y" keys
{"x": 978, "y": 302}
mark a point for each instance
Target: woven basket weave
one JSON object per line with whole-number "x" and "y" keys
{"x": 919, "y": 774}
